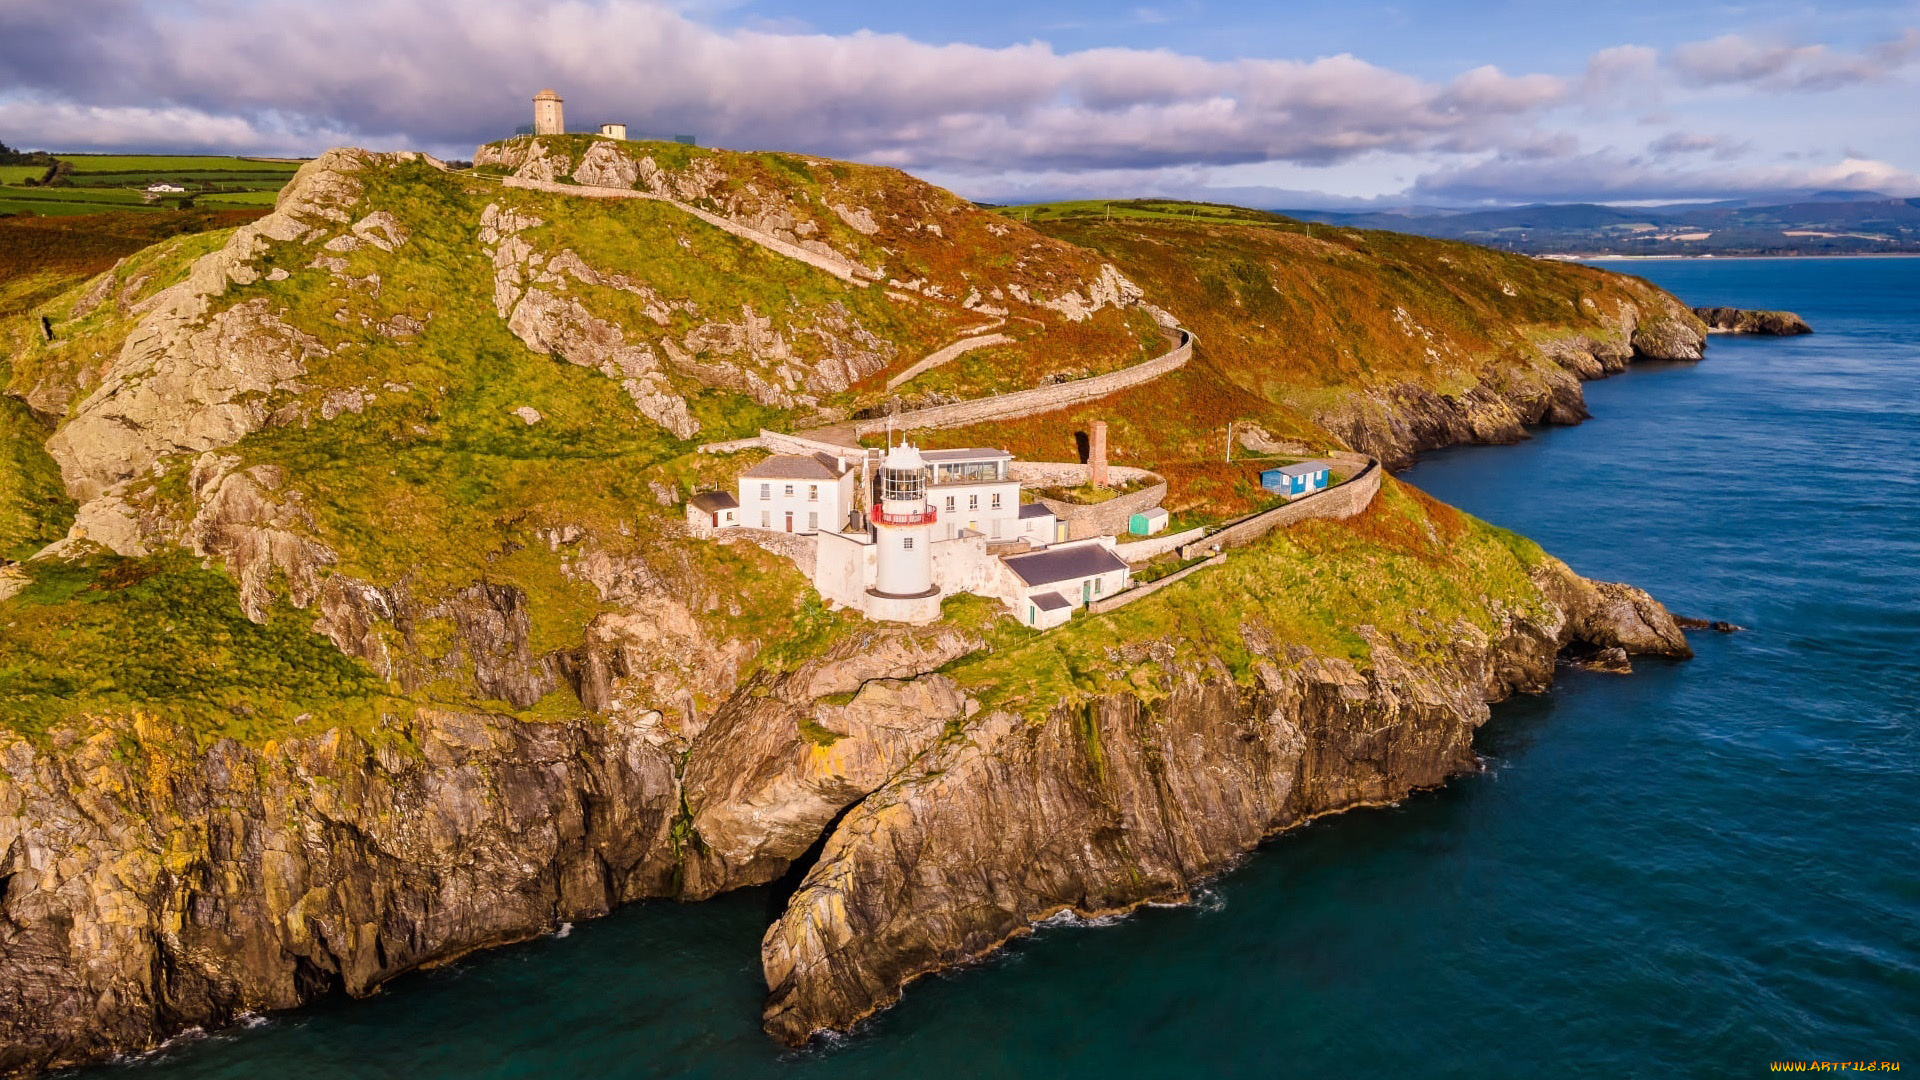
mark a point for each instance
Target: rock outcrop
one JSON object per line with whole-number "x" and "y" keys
{"x": 1099, "y": 808}
{"x": 1726, "y": 320}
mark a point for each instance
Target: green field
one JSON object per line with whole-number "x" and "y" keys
{"x": 238, "y": 198}
{"x": 172, "y": 164}
{"x": 91, "y": 183}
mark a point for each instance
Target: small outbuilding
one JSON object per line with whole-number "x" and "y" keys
{"x": 712, "y": 510}
{"x": 1046, "y": 610}
{"x": 1294, "y": 481}
{"x": 1076, "y": 573}
{"x": 1147, "y": 522}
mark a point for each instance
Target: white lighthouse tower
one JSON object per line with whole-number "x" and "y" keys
{"x": 903, "y": 528}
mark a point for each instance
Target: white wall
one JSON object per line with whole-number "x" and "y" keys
{"x": 827, "y": 500}
{"x": 974, "y": 503}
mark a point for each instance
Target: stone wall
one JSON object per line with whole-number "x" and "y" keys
{"x": 800, "y": 547}
{"x": 935, "y": 359}
{"x": 1142, "y": 550}
{"x": 1151, "y": 587}
{"x": 1038, "y": 400}
{"x": 1109, "y": 518}
{"x": 1341, "y": 501}
{"x": 844, "y": 269}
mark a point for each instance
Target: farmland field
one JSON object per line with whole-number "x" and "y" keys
{"x": 238, "y": 198}
{"x": 14, "y": 174}
{"x": 172, "y": 164}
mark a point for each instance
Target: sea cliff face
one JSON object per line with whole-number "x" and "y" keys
{"x": 150, "y": 884}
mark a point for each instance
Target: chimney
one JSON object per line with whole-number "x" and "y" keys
{"x": 1097, "y": 454}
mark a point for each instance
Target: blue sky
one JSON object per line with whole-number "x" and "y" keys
{"x": 1276, "y": 104}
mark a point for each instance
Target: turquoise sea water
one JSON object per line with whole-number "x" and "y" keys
{"x": 1692, "y": 871}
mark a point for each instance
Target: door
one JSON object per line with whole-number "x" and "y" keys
{"x": 1086, "y": 593}
{"x": 716, "y": 519}
{"x": 789, "y": 521}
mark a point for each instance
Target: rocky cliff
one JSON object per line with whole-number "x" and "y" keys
{"x": 1726, "y": 320}
{"x": 361, "y": 628}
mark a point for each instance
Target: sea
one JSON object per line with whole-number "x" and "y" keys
{"x": 1702, "y": 869}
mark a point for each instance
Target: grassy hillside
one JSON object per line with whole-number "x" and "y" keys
{"x": 429, "y": 432}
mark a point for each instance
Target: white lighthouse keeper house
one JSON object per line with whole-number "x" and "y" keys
{"x": 903, "y": 528}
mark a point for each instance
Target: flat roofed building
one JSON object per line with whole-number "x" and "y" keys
{"x": 797, "y": 493}
{"x": 972, "y": 491}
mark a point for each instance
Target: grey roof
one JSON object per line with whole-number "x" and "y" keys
{"x": 1029, "y": 511}
{"x": 714, "y": 500}
{"x": 1305, "y": 468}
{"x": 796, "y": 467}
{"x": 1049, "y": 601}
{"x": 1064, "y": 564}
{"x": 974, "y": 454}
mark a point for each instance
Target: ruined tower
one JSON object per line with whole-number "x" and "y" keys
{"x": 547, "y": 117}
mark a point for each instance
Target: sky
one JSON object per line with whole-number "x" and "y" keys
{"x": 1283, "y": 103}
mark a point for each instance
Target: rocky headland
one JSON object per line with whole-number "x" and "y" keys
{"x": 1726, "y": 320}
{"x": 385, "y": 491}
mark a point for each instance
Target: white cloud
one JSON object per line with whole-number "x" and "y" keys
{"x": 287, "y": 76}
{"x": 1736, "y": 59}
{"x": 1608, "y": 177}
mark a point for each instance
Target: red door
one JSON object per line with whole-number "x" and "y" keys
{"x": 789, "y": 521}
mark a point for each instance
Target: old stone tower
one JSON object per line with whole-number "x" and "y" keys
{"x": 547, "y": 117}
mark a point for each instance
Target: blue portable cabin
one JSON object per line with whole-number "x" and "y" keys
{"x": 1294, "y": 481}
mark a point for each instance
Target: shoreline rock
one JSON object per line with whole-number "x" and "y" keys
{"x": 1726, "y": 320}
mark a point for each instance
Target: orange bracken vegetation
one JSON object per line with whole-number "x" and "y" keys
{"x": 41, "y": 257}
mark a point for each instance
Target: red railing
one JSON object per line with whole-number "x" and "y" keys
{"x": 924, "y": 517}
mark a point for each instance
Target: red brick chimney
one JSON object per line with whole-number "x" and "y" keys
{"x": 1097, "y": 454}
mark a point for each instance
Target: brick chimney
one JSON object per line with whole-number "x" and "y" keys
{"x": 1097, "y": 454}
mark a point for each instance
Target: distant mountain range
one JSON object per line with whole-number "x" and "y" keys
{"x": 1818, "y": 223}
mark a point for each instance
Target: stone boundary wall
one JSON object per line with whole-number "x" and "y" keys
{"x": 1142, "y": 550}
{"x": 1343, "y": 501}
{"x": 1071, "y": 474}
{"x": 935, "y": 359}
{"x": 802, "y": 548}
{"x": 1037, "y": 400}
{"x": 781, "y": 443}
{"x": 1109, "y": 518}
{"x": 1099, "y": 607}
{"x": 844, "y": 269}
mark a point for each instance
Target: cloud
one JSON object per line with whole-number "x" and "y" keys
{"x": 1607, "y": 176}
{"x": 449, "y": 73}
{"x": 1690, "y": 142}
{"x": 1733, "y": 59}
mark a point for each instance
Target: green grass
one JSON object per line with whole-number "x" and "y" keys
{"x": 172, "y": 164}
{"x": 14, "y": 174}
{"x": 1409, "y": 566}
{"x": 163, "y": 637}
{"x": 238, "y": 198}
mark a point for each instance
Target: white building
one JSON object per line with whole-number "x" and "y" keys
{"x": 797, "y": 493}
{"x": 913, "y": 527}
{"x": 971, "y": 490}
{"x": 164, "y": 188}
{"x": 1044, "y": 587}
{"x": 614, "y": 131}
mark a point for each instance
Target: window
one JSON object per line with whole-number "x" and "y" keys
{"x": 973, "y": 502}
{"x": 1097, "y": 586}
{"x": 906, "y": 543}
{"x": 789, "y": 491}
{"x": 766, "y": 491}
{"x": 996, "y": 500}
{"x": 766, "y": 519}
{"x": 949, "y": 504}
{"x": 813, "y": 520}
{"x": 813, "y": 492}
